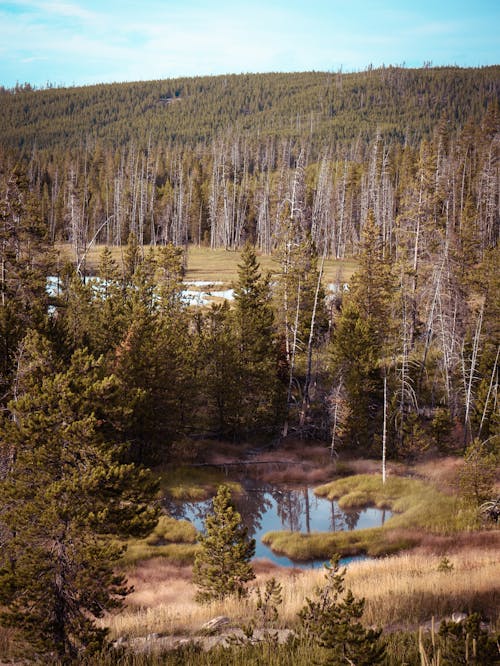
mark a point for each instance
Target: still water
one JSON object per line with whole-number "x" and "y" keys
{"x": 273, "y": 508}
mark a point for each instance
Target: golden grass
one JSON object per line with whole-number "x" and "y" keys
{"x": 419, "y": 503}
{"x": 400, "y": 592}
{"x": 216, "y": 265}
{"x": 171, "y": 539}
{"x": 194, "y": 483}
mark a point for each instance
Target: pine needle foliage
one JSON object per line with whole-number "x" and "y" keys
{"x": 333, "y": 622}
{"x": 65, "y": 491}
{"x": 222, "y": 566}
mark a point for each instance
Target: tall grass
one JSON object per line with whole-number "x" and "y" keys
{"x": 400, "y": 591}
{"x": 416, "y": 503}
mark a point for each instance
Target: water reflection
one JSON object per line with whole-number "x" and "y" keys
{"x": 267, "y": 508}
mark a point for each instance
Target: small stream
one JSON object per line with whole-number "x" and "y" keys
{"x": 267, "y": 508}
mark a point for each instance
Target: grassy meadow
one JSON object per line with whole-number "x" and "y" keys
{"x": 445, "y": 565}
{"x": 401, "y": 591}
{"x": 205, "y": 264}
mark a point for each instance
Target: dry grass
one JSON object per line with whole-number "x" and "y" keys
{"x": 213, "y": 265}
{"x": 400, "y": 592}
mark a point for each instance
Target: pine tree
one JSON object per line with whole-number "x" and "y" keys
{"x": 363, "y": 337}
{"x": 219, "y": 370}
{"x": 333, "y": 622}
{"x": 65, "y": 492}
{"x": 260, "y": 393}
{"x": 25, "y": 263}
{"x": 355, "y": 363}
{"x": 222, "y": 566}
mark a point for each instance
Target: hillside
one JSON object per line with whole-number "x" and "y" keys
{"x": 217, "y": 161}
{"x": 405, "y": 104}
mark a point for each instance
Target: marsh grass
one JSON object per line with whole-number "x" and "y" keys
{"x": 418, "y": 508}
{"x": 416, "y": 503}
{"x": 172, "y": 539}
{"x": 400, "y": 592}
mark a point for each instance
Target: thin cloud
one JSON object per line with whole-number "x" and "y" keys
{"x": 89, "y": 41}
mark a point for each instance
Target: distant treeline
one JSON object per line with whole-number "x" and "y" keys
{"x": 221, "y": 160}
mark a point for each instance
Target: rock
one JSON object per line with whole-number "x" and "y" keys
{"x": 458, "y": 617}
{"x": 215, "y": 623}
{"x": 121, "y": 640}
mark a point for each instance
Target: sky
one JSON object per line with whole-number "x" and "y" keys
{"x": 81, "y": 42}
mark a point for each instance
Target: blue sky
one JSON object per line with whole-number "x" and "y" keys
{"x": 77, "y": 42}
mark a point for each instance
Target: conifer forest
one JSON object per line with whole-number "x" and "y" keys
{"x": 107, "y": 374}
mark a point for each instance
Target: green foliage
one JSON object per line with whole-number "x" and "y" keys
{"x": 260, "y": 393}
{"x": 191, "y": 110}
{"x": 219, "y": 369}
{"x": 477, "y": 476}
{"x": 466, "y": 642}
{"x": 222, "y": 566}
{"x": 268, "y": 602}
{"x": 333, "y": 621}
{"x": 441, "y": 427}
{"x": 66, "y": 490}
{"x": 25, "y": 263}
{"x": 445, "y": 565}
{"x": 171, "y": 539}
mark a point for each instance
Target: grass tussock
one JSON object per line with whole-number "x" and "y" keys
{"x": 400, "y": 592}
{"x": 418, "y": 504}
{"x": 174, "y": 540}
{"x": 322, "y": 545}
{"x": 418, "y": 507}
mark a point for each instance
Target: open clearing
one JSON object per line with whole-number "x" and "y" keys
{"x": 212, "y": 265}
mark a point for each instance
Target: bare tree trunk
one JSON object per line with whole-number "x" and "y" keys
{"x": 384, "y": 428}
{"x": 490, "y": 388}
{"x": 468, "y": 382}
{"x": 306, "y": 397}
{"x": 291, "y": 359}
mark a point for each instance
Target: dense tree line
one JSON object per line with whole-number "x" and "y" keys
{"x": 220, "y": 160}
{"x": 414, "y": 339}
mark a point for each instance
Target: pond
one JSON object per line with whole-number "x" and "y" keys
{"x": 267, "y": 508}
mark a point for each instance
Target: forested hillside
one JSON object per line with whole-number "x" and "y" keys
{"x": 220, "y": 160}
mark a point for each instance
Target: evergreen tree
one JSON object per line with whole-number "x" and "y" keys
{"x": 333, "y": 622}
{"x": 219, "y": 369}
{"x": 355, "y": 363}
{"x": 260, "y": 393}
{"x": 467, "y": 643}
{"x": 25, "y": 261}
{"x": 363, "y": 337}
{"x": 108, "y": 306}
{"x": 65, "y": 492}
{"x": 222, "y": 566}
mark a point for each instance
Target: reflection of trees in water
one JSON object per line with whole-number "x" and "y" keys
{"x": 289, "y": 507}
{"x": 295, "y": 509}
{"x": 351, "y": 518}
{"x": 252, "y": 505}
{"x": 337, "y": 518}
{"x": 195, "y": 512}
